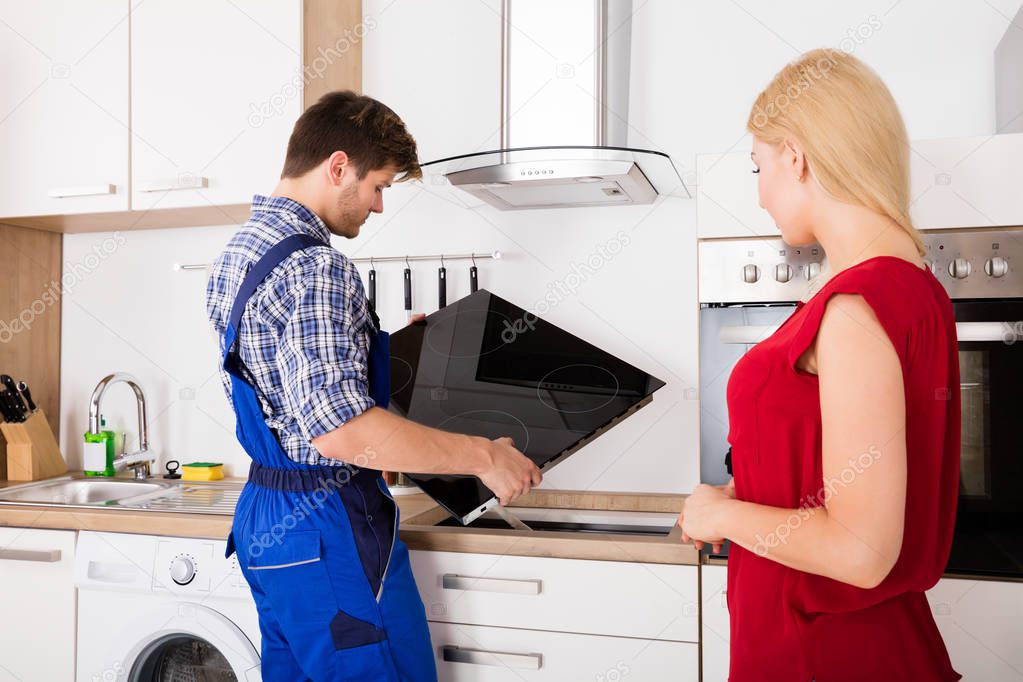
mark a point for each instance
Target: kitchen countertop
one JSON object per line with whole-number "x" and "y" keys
{"x": 419, "y": 514}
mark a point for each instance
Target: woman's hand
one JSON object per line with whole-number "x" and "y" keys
{"x": 701, "y": 512}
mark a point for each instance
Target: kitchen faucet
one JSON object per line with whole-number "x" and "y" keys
{"x": 139, "y": 460}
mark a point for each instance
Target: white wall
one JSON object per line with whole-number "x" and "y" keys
{"x": 696, "y": 69}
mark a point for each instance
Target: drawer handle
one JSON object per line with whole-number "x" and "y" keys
{"x": 46, "y": 556}
{"x": 181, "y": 182}
{"x": 456, "y": 654}
{"x": 451, "y": 581}
{"x": 81, "y": 191}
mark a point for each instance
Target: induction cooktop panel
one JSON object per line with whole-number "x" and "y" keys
{"x": 485, "y": 367}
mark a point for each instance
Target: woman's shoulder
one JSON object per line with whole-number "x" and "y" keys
{"x": 906, "y": 300}
{"x": 891, "y": 283}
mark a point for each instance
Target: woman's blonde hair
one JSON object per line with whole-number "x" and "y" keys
{"x": 849, "y": 127}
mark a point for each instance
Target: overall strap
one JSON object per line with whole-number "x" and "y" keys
{"x": 271, "y": 259}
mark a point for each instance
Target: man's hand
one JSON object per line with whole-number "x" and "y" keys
{"x": 510, "y": 474}
{"x": 416, "y": 317}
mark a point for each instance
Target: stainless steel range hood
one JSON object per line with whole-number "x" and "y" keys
{"x": 606, "y": 173}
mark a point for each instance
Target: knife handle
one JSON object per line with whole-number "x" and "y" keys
{"x": 27, "y": 395}
{"x": 474, "y": 280}
{"x": 11, "y": 411}
{"x": 373, "y": 288}
{"x": 5, "y": 410}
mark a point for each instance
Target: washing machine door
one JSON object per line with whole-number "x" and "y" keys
{"x": 183, "y": 642}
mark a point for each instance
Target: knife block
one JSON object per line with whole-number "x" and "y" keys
{"x": 32, "y": 450}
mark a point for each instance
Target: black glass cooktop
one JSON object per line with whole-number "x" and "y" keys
{"x": 483, "y": 366}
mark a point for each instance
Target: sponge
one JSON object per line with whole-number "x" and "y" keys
{"x": 202, "y": 471}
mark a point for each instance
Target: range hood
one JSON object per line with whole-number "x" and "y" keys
{"x": 606, "y": 173}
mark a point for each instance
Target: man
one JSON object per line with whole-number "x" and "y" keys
{"x": 305, "y": 368}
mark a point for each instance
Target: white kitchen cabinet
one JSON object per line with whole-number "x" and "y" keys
{"x": 966, "y": 182}
{"x": 448, "y": 95}
{"x": 979, "y": 621}
{"x": 651, "y": 601}
{"x": 955, "y": 182}
{"x": 216, "y": 88}
{"x": 37, "y": 631}
{"x": 64, "y": 107}
{"x": 714, "y": 628}
{"x": 497, "y": 617}
{"x": 726, "y": 198}
{"x": 473, "y": 653}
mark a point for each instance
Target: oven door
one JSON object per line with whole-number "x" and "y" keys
{"x": 989, "y": 520}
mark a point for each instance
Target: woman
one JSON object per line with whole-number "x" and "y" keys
{"x": 844, "y": 424}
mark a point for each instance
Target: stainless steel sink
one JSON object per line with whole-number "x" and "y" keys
{"x": 161, "y": 495}
{"x": 79, "y": 492}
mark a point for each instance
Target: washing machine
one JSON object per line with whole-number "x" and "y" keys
{"x": 162, "y": 609}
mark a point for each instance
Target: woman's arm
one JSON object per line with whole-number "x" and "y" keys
{"x": 855, "y": 535}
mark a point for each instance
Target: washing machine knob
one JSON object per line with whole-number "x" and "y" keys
{"x": 182, "y": 570}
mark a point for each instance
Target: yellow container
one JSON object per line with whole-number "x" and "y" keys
{"x": 202, "y": 471}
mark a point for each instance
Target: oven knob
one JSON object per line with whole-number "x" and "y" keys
{"x": 931, "y": 266}
{"x": 960, "y": 268}
{"x": 996, "y": 267}
{"x": 182, "y": 570}
{"x": 750, "y": 273}
{"x": 812, "y": 270}
{"x": 783, "y": 272}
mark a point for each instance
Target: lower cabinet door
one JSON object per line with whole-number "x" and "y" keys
{"x": 37, "y": 604}
{"x": 714, "y": 626}
{"x": 979, "y": 621}
{"x": 475, "y": 653}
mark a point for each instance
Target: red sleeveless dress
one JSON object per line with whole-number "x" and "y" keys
{"x": 792, "y": 626}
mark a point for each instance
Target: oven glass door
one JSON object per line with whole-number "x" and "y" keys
{"x": 989, "y": 519}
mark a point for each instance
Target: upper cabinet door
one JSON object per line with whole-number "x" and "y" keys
{"x": 438, "y": 66}
{"x": 954, "y": 183}
{"x": 216, "y": 88}
{"x": 64, "y": 107}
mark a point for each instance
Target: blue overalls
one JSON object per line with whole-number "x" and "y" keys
{"x": 318, "y": 545}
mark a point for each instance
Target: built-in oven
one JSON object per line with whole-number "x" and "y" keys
{"x": 749, "y": 286}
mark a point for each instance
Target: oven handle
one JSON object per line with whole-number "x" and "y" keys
{"x": 965, "y": 331}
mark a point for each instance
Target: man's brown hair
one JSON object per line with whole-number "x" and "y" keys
{"x": 368, "y": 131}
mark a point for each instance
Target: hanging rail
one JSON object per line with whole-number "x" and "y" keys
{"x": 496, "y": 255}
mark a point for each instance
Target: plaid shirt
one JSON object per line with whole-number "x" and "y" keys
{"x": 304, "y": 335}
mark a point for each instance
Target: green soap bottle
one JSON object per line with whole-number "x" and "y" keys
{"x": 99, "y": 452}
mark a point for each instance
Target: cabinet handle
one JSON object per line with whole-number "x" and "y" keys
{"x": 168, "y": 184}
{"x": 46, "y": 556}
{"x": 81, "y": 191}
{"x": 451, "y": 581}
{"x": 456, "y": 654}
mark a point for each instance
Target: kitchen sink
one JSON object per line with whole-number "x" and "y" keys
{"x": 187, "y": 497}
{"x": 79, "y": 492}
